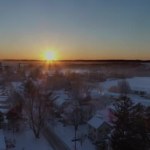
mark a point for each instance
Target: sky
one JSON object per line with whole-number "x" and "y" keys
{"x": 75, "y": 29}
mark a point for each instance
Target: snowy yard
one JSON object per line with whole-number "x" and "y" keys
{"x": 26, "y": 141}
{"x": 67, "y": 135}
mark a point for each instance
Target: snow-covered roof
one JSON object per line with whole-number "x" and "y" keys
{"x": 3, "y": 98}
{"x": 3, "y": 91}
{"x": 2, "y": 141}
{"x": 140, "y": 83}
{"x": 101, "y": 117}
{"x": 62, "y": 97}
{"x": 17, "y": 86}
{"x": 96, "y": 121}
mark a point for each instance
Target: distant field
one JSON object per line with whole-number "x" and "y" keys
{"x": 109, "y": 68}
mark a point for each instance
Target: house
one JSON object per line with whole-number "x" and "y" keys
{"x": 17, "y": 87}
{"x": 99, "y": 128}
{"x": 61, "y": 98}
{"x": 66, "y": 113}
{"x": 101, "y": 123}
{"x": 4, "y": 104}
{"x": 82, "y": 111}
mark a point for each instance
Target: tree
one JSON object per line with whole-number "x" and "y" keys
{"x": 36, "y": 73}
{"x": 15, "y": 113}
{"x": 1, "y": 119}
{"x": 17, "y": 101}
{"x": 80, "y": 94}
{"x": 37, "y": 106}
{"x": 129, "y": 129}
{"x": 124, "y": 87}
{"x": 147, "y": 119}
{"x": 13, "y": 118}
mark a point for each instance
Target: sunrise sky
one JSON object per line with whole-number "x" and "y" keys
{"x": 75, "y": 29}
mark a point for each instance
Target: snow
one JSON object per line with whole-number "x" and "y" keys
{"x": 109, "y": 83}
{"x": 96, "y": 121}
{"x": 17, "y": 86}
{"x": 96, "y": 93}
{"x": 62, "y": 97}
{"x": 4, "y": 104}
{"x": 101, "y": 116}
{"x": 136, "y": 99}
{"x": 3, "y": 98}
{"x": 26, "y": 141}
{"x": 136, "y": 83}
{"x": 140, "y": 83}
{"x": 2, "y": 141}
{"x": 66, "y": 133}
{"x": 3, "y": 91}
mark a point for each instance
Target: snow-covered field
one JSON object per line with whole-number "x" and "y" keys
{"x": 136, "y": 83}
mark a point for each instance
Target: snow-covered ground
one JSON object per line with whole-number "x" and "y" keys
{"x": 26, "y": 141}
{"x": 136, "y": 83}
{"x": 137, "y": 99}
{"x": 66, "y": 133}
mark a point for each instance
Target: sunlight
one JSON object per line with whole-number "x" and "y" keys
{"x": 49, "y": 56}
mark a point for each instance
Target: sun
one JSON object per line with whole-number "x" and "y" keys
{"x": 50, "y": 55}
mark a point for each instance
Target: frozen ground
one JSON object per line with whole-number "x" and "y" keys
{"x": 26, "y": 141}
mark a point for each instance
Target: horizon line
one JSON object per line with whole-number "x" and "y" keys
{"x": 145, "y": 60}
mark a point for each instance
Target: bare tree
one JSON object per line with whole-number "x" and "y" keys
{"x": 80, "y": 94}
{"x": 17, "y": 101}
{"x": 14, "y": 115}
{"x": 124, "y": 87}
{"x": 37, "y": 105}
